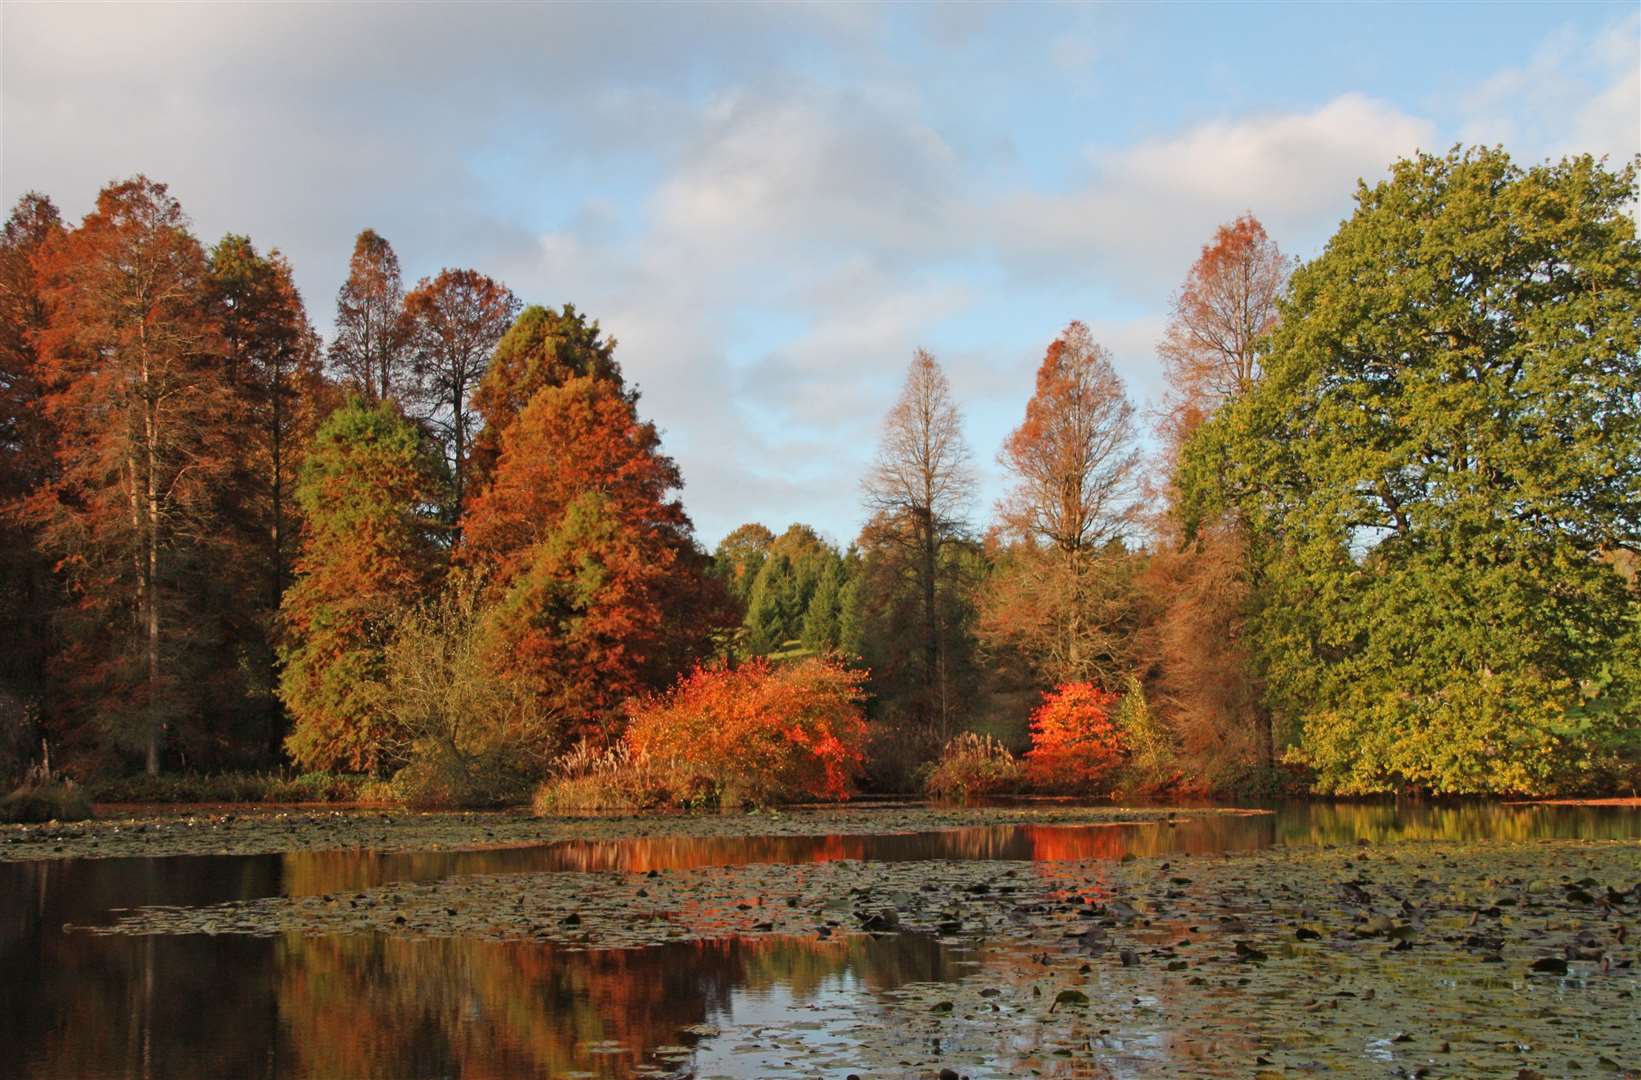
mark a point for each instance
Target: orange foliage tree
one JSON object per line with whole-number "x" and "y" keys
{"x": 368, "y": 554}
{"x": 132, "y": 386}
{"x": 759, "y": 732}
{"x": 1073, "y": 741}
{"x": 599, "y": 591}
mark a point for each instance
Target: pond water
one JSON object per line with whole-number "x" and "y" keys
{"x": 78, "y": 1004}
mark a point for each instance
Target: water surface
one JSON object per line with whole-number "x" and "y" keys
{"x": 75, "y": 1004}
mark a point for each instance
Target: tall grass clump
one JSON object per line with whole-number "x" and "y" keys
{"x": 971, "y": 766}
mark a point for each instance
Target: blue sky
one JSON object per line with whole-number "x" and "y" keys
{"x": 771, "y": 206}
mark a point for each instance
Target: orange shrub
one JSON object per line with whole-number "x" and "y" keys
{"x": 759, "y": 733}
{"x": 1073, "y": 741}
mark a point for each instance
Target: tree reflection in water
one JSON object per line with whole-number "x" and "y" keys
{"x": 180, "y": 1006}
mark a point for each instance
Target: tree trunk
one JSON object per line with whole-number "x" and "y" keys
{"x": 151, "y": 538}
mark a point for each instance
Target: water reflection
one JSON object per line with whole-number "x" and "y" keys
{"x": 364, "y": 1006}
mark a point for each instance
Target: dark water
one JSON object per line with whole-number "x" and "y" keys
{"x": 78, "y": 1005}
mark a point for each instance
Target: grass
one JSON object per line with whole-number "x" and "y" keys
{"x": 55, "y": 800}
{"x": 233, "y": 787}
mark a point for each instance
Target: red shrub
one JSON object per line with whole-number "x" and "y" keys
{"x": 1073, "y": 741}
{"x": 760, "y": 732}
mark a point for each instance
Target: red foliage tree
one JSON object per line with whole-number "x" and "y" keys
{"x": 758, "y": 732}
{"x": 1073, "y": 741}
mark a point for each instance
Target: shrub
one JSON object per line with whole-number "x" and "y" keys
{"x": 465, "y": 737}
{"x": 237, "y": 787}
{"x": 59, "y": 800}
{"x": 973, "y": 765}
{"x": 45, "y": 796}
{"x": 758, "y": 733}
{"x": 1074, "y": 745}
{"x": 1151, "y": 764}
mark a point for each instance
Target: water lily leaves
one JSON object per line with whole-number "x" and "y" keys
{"x": 1068, "y": 997}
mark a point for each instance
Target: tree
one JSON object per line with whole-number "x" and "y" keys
{"x": 1212, "y": 354}
{"x": 367, "y": 555}
{"x": 599, "y": 588}
{"x": 27, "y": 593}
{"x": 922, "y": 474}
{"x": 1073, "y": 460}
{"x": 1211, "y": 350}
{"x": 1440, "y": 460}
{"x": 369, "y": 352}
{"x": 542, "y": 348}
{"x": 132, "y": 385}
{"x": 272, "y": 357}
{"x": 779, "y": 600}
{"x": 739, "y": 556}
{"x": 1074, "y": 744}
{"x": 463, "y": 736}
{"x": 455, "y": 322}
{"x": 1074, "y": 466}
{"x": 758, "y": 732}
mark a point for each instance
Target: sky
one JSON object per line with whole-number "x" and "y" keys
{"x": 770, "y": 206}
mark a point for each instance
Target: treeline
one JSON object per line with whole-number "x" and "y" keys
{"x": 1389, "y": 541}
{"x": 446, "y": 540}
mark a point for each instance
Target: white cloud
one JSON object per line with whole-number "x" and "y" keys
{"x": 1144, "y": 210}
{"x": 1578, "y": 94}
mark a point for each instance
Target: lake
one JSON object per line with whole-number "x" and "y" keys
{"x": 75, "y": 1003}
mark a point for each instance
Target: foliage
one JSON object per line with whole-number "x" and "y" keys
{"x": 461, "y": 736}
{"x": 972, "y": 765}
{"x": 599, "y": 592}
{"x": 231, "y": 787}
{"x": 370, "y": 351}
{"x": 1444, "y": 448}
{"x": 133, "y": 392}
{"x": 57, "y": 800}
{"x": 1211, "y": 351}
{"x": 757, "y": 733}
{"x": 542, "y": 348}
{"x": 453, "y": 323}
{"x": 1194, "y": 603}
{"x": 738, "y": 558}
{"x": 1151, "y": 763}
{"x": 1060, "y": 616}
{"x": 367, "y": 555}
{"x": 586, "y": 778}
{"x": 1074, "y": 744}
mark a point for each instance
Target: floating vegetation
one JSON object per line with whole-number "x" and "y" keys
{"x": 1429, "y": 959}
{"x": 253, "y": 832}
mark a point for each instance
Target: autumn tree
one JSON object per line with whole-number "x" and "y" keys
{"x": 1074, "y": 744}
{"x": 922, "y": 475}
{"x": 455, "y": 321}
{"x": 133, "y": 385}
{"x": 739, "y": 557}
{"x": 584, "y": 542}
{"x": 271, "y": 361}
{"x": 1222, "y": 315}
{"x": 757, "y": 733}
{"x": 370, "y": 351}
{"x": 544, "y": 347}
{"x": 1074, "y": 464}
{"x": 1197, "y": 593}
{"x": 27, "y": 592}
{"x": 367, "y": 555}
{"x": 1437, "y": 466}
